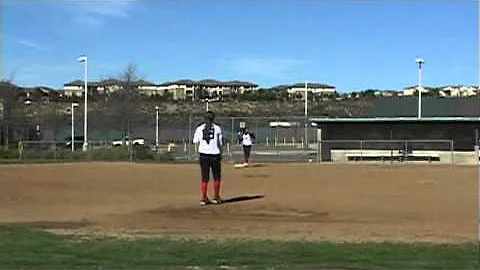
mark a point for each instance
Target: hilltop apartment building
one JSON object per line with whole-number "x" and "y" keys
{"x": 178, "y": 90}
{"x": 317, "y": 89}
{"x": 446, "y": 91}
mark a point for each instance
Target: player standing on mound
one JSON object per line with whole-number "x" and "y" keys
{"x": 247, "y": 139}
{"x": 209, "y": 138}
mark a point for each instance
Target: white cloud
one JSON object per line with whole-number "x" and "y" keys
{"x": 94, "y": 13}
{"x": 88, "y": 20}
{"x": 31, "y": 74}
{"x": 30, "y": 44}
{"x": 271, "y": 68}
{"x": 28, "y": 73}
{"x": 53, "y": 68}
{"x": 105, "y": 8}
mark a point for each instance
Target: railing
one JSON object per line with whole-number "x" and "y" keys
{"x": 389, "y": 150}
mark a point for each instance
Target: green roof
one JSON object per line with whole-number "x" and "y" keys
{"x": 431, "y": 107}
{"x": 405, "y": 109}
{"x": 395, "y": 119}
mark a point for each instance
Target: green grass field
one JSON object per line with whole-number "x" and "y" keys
{"x": 29, "y": 248}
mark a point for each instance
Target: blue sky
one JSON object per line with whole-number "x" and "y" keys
{"x": 352, "y": 45}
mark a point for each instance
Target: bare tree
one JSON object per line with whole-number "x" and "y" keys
{"x": 126, "y": 102}
{"x": 11, "y": 78}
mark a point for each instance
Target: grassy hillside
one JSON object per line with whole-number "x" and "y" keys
{"x": 175, "y": 111}
{"x": 181, "y": 110}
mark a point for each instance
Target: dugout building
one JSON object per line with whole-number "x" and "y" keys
{"x": 447, "y": 131}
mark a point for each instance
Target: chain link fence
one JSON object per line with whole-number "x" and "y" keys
{"x": 97, "y": 151}
{"x": 278, "y": 139}
{"x": 335, "y": 151}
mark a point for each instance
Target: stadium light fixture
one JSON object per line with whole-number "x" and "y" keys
{"x": 420, "y": 63}
{"x": 84, "y": 59}
{"x": 477, "y": 150}
{"x": 72, "y": 109}
{"x": 157, "y": 111}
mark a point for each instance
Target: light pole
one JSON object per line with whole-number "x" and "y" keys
{"x": 74, "y": 105}
{"x": 476, "y": 139}
{"x": 420, "y": 63}
{"x": 306, "y": 114}
{"x": 157, "y": 110}
{"x": 84, "y": 59}
{"x": 27, "y": 101}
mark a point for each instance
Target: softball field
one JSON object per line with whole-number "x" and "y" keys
{"x": 338, "y": 202}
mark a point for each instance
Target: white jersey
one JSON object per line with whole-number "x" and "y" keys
{"x": 247, "y": 139}
{"x": 210, "y": 140}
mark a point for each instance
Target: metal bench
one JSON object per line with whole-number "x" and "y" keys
{"x": 390, "y": 155}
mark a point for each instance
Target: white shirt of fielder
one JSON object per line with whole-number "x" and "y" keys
{"x": 209, "y": 141}
{"x": 247, "y": 139}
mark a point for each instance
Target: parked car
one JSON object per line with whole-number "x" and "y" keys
{"x": 78, "y": 140}
{"x": 126, "y": 142}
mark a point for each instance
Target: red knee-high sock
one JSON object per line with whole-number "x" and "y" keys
{"x": 204, "y": 188}
{"x": 216, "y": 188}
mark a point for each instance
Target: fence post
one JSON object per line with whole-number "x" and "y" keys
{"x": 319, "y": 151}
{"x": 190, "y": 137}
{"x": 319, "y": 145}
{"x": 406, "y": 151}
{"x": 392, "y": 146}
{"x": 256, "y": 130}
{"x": 452, "y": 151}
{"x": 306, "y": 130}
{"x": 276, "y": 132}
{"x": 361, "y": 150}
{"x": 232, "y": 139}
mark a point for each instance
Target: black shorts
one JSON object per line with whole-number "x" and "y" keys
{"x": 211, "y": 162}
{"x": 246, "y": 150}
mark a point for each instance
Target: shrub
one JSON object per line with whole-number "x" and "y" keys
{"x": 38, "y": 154}
{"x": 69, "y": 155}
{"x": 8, "y": 153}
{"x": 143, "y": 153}
{"x": 140, "y": 153}
{"x": 109, "y": 154}
{"x": 166, "y": 156}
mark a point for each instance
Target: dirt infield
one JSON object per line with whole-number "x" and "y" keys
{"x": 391, "y": 202}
